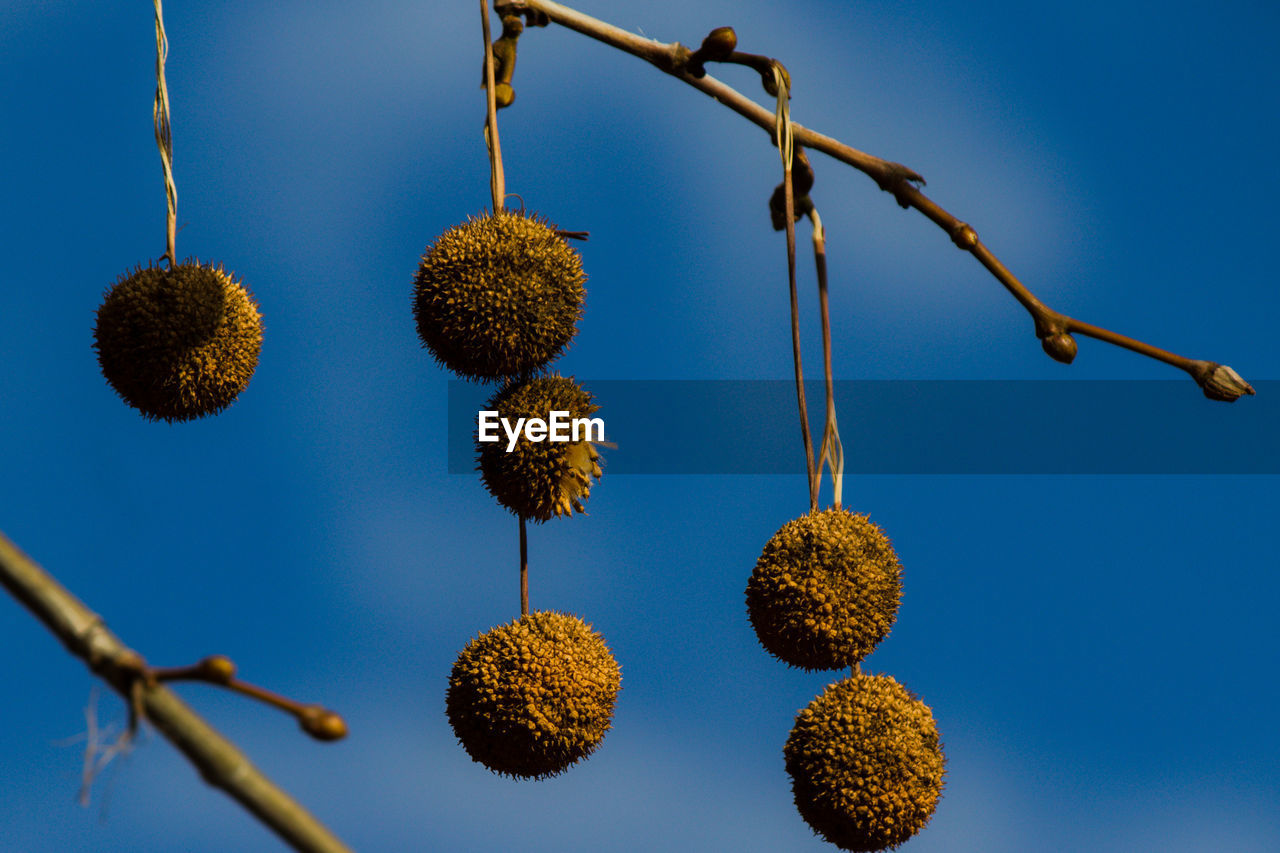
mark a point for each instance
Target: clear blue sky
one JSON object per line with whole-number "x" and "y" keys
{"x": 1101, "y": 652}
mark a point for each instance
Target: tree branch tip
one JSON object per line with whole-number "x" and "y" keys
{"x": 1220, "y": 382}
{"x": 321, "y": 723}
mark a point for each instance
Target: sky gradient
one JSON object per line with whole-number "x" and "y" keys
{"x": 1100, "y": 651}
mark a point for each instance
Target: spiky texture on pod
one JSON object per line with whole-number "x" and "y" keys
{"x": 178, "y": 343}
{"x": 540, "y": 480}
{"x": 499, "y": 295}
{"x": 866, "y": 764}
{"x": 825, "y": 590}
{"x": 533, "y": 697}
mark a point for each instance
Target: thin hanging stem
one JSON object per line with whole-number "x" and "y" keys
{"x": 497, "y": 181}
{"x": 164, "y": 138}
{"x": 783, "y": 138}
{"x": 524, "y": 569}
{"x": 832, "y": 452}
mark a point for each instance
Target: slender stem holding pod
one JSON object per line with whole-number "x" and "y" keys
{"x": 524, "y": 569}
{"x": 220, "y": 763}
{"x": 782, "y": 138}
{"x": 832, "y": 452}
{"x": 497, "y": 181}
{"x": 1054, "y": 329}
{"x": 164, "y": 138}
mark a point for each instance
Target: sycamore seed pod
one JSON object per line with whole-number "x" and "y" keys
{"x": 178, "y": 343}
{"x": 531, "y": 698}
{"x": 499, "y": 295}
{"x": 866, "y": 764}
{"x": 825, "y": 590}
{"x": 541, "y": 479}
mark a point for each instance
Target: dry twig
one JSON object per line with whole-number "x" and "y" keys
{"x": 1054, "y": 329}
{"x": 220, "y": 763}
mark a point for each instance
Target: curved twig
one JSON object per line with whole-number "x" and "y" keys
{"x": 1054, "y": 329}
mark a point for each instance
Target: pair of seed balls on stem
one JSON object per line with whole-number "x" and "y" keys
{"x": 864, "y": 757}
{"x": 498, "y": 298}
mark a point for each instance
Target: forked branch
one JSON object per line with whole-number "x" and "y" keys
{"x": 218, "y": 760}
{"x": 1053, "y": 328}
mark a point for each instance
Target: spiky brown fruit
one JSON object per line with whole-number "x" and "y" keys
{"x": 499, "y": 295}
{"x": 533, "y": 697}
{"x": 825, "y": 590}
{"x": 178, "y": 343}
{"x": 866, "y": 764}
{"x": 542, "y": 479}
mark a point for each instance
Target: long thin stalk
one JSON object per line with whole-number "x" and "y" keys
{"x": 497, "y": 180}
{"x": 831, "y": 452}
{"x": 524, "y": 568}
{"x": 220, "y": 763}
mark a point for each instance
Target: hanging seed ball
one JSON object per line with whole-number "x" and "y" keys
{"x": 825, "y": 590}
{"x": 541, "y": 479}
{"x": 866, "y": 764}
{"x": 499, "y": 295}
{"x": 179, "y": 343}
{"x": 534, "y": 696}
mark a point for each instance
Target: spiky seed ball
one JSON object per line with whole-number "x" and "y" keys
{"x": 534, "y": 696}
{"x": 542, "y": 479}
{"x": 178, "y": 343}
{"x": 866, "y": 764}
{"x": 499, "y": 295}
{"x": 825, "y": 590}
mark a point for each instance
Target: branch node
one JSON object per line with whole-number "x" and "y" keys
{"x": 1060, "y": 347}
{"x": 675, "y": 60}
{"x": 896, "y": 179}
{"x": 964, "y": 236}
{"x": 532, "y": 17}
{"x": 1053, "y": 331}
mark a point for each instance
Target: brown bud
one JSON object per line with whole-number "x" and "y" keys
{"x": 322, "y": 724}
{"x": 1060, "y": 347}
{"x": 1220, "y": 382}
{"x": 217, "y": 668}
{"x": 503, "y": 95}
{"x": 718, "y": 44}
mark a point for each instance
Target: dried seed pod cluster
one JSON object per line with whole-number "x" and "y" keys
{"x": 178, "y": 343}
{"x": 864, "y": 757}
{"x": 533, "y": 697}
{"x": 544, "y": 479}
{"x": 499, "y": 295}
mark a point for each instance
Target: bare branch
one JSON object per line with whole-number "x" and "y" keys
{"x": 219, "y": 761}
{"x": 1053, "y": 329}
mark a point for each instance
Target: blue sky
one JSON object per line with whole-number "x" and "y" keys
{"x": 1100, "y": 651}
